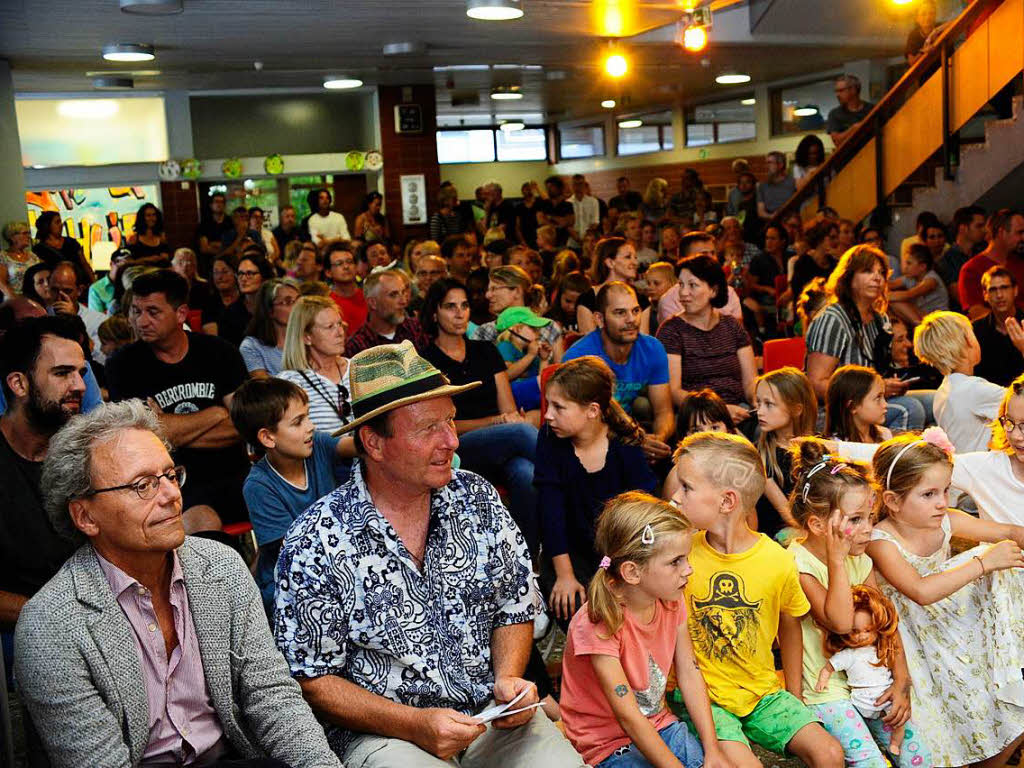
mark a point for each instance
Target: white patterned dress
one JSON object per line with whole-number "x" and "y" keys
{"x": 965, "y": 654}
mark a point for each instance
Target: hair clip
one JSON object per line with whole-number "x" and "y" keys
{"x": 838, "y": 468}
{"x": 647, "y": 537}
{"x": 816, "y": 468}
{"x": 606, "y": 563}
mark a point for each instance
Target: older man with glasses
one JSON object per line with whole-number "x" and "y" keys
{"x": 149, "y": 647}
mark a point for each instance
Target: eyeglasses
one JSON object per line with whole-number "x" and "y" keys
{"x": 146, "y": 487}
{"x": 1009, "y": 425}
{"x": 248, "y": 273}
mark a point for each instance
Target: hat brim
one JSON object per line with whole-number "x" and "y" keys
{"x": 446, "y": 390}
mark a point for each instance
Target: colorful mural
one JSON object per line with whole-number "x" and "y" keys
{"x": 92, "y": 215}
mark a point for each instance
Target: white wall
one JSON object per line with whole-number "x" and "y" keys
{"x": 468, "y": 176}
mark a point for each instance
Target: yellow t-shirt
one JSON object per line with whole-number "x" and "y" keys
{"x": 735, "y": 602}
{"x": 857, "y": 570}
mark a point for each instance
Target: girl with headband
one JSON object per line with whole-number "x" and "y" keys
{"x": 961, "y": 618}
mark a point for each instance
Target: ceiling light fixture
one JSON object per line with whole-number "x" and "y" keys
{"x": 748, "y": 102}
{"x": 88, "y": 109}
{"x": 128, "y": 52}
{"x": 616, "y": 65}
{"x": 732, "y": 78}
{"x": 608, "y": 103}
{"x": 152, "y": 7}
{"x": 631, "y": 123}
{"x": 512, "y": 125}
{"x": 112, "y": 83}
{"x": 506, "y": 93}
{"x": 494, "y": 10}
{"x": 342, "y": 83}
{"x": 808, "y": 110}
{"x": 122, "y": 73}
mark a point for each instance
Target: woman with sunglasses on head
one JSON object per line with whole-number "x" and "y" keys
{"x": 314, "y": 341}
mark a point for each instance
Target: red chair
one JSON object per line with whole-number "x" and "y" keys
{"x": 544, "y": 376}
{"x": 570, "y": 338}
{"x": 779, "y": 353}
{"x": 242, "y": 531}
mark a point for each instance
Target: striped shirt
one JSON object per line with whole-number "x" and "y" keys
{"x": 832, "y": 333}
{"x": 709, "y": 358}
{"x": 183, "y": 724}
{"x": 325, "y": 397}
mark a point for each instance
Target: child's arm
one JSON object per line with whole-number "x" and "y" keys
{"x": 620, "y": 698}
{"x": 695, "y": 696}
{"x": 967, "y": 527}
{"x": 832, "y": 607}
{"x": 899, "y": 692}
{"x": 567, "y": 590}
{"x": 823, "y": 677}
{"x": 925, "y": 590}
{"x": 346, "y": 447}
{"x": 791, "y": 648}
{"x": 520, "y": 366}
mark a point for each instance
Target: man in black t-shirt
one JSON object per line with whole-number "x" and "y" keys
{"x": 499, "y": 212}
{"x": 560, "y": 212}
{"x": 42, "y": 369}
{"x": 288, "y": 230}
{"x": 188, "y": 380}
{"x": 627, "y": 199}
{"x": 851, "y": 110}
{"x": 210, "y": 236}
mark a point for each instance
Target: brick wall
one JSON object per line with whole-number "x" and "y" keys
{"x": 406, "y": 153}
{"x": 180, "y": 204}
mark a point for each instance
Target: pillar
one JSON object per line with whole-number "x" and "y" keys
{"x": 12, "y": 177}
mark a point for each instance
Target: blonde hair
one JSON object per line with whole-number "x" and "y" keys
{"x": 664, "y": 267}
{"x": 1000, "y": 442}
{"x": 797, "y": 395}
{"x": 295, "y": 356}
{"x": 654, "y": 195}
{"x": 730, "y": 462}
{"x": 905, "y": 473}
{"x": 291, "y": 253}
{"x": 549, "y": 232}
{"x": 941, "y": 338}
{"x": 622, "y": 529}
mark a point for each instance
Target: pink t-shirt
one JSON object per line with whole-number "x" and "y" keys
{"x": 645, "y": 652}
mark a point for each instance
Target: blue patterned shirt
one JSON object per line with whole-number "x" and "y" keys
{"x": 351, "y": 601}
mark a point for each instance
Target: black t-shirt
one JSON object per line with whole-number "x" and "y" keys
{"x": 840, "y": 119}
{"x": 142, "y": 251}
{"x": 213, "y": 231}
{"x": 805, "y": 270}
{"x": 504, "y": 216}
{"x": 527, "y": 218}
{"x": 915, "y": 41}
{"x": 1001, "y": 362}
{"x": 627, "y": 202}
{"x": 232, "y": 322}
{"x": 765, "y": 269}
{"x": 283, "y": 238}
{"x": 561, "y": 209}
{"x": 769, "y": 521}
{"x": 210, "y": 370}
{"x": 31, "y": 551}
{"x": 481, "y": 364}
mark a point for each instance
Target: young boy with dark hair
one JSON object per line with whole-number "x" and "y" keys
{"x": 297, "y": 467}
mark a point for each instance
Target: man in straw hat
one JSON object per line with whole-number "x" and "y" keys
{"x": 404, "y": 603}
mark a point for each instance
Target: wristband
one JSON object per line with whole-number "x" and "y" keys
{"x": 981, "y": 563}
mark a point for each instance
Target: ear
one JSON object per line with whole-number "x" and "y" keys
{"x": 372, "y": 443}
{"x": 18, "y": 382}
{"x": 731, "y": 502}
{"x": 890, "y": 501}
{"x": 266, "y": 438}
{"x": 817, "y": 526}
{"x": 81, "y": 516}
{"x": 593, "y": 411}
{"x": 629, "y": 572}
{"x": 181, "y": 313}
{"x": 598, "y": 319}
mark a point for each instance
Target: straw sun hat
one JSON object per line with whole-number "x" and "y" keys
{"x": 389, "y": 376}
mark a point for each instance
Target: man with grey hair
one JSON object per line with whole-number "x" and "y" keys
{"x": 387, "y": 297}
{"x": 149, "y": 647}
{"x": 851, "y": 110}
{"x": 773, "y": 192}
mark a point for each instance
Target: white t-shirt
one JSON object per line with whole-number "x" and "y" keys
{"x": 964, "y": 407}
{"x": 93, "y": 320}
{"x": 867, "y": 682}
{"x": 328, "y": 227}
{"x": 587, "y": 211}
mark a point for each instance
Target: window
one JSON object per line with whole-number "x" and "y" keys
{"x": 580, "y": 141}
{"x": 654, "y": 134}
{"x": 473, "y": 146}
{"x": 721, "y": 122}
{"x": 526, "y": 144}
{"x": 811, "y": 100}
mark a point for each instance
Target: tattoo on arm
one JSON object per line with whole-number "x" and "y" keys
{"x": 621, "y": 690}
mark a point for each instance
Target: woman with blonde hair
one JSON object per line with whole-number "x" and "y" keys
{"x": 655, "y": 202}
{"x": 16, "y": 257}
{"x": 853, "y": 329}
{"x": 313, "y": 345}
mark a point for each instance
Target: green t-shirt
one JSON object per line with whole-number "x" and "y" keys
{"x": 857, "y": 570}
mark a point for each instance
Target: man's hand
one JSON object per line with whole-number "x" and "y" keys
{"x": 738, "y": 414}
{"x": 446, "y": 732}
{"x": 655, "y": 449}
{"x": 564, "y": 595}
{"x": 506, "y": 689}
{"x": 63, "y": 305}
{"x": 895, "y": 387}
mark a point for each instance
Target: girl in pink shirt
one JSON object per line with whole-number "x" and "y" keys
{"x": 624, "y": 641}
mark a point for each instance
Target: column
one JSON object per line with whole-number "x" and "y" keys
{"x": 12, "y": 178}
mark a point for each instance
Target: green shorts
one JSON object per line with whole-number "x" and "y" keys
{"x": 771, "y": 724}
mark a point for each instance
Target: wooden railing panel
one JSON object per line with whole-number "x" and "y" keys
{"x": 1006, "y": 43}
{"x": 852, "y": 191}
{"x": 968, "y": 72}
{"x": 913, "y": 134}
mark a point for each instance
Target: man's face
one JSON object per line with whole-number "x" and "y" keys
{"x": 391, "y": 300}
{"x": 1001, "y": 295}
{"x": 223, "y": 276}
{"x": 154, "y": 319}
{"x": 323, "y": 203}
{"x": 620, "y": 321}
{"x": 844, "y": 92}
{"x": 975, "y": 231}
{"x": 429, "y": 271}
{"x": 56, "y": 384}
{"x": 632, "y": 230}
{"x": 491, "y": 194}
{"x": 461, "y": 260}
{"x": 64, "y": 285}
{"x": 120, "y": 522}
{"x": 745, "y": 184}
{"x": 342, "y": 267}
{"x": 305, "y": 263}
{"x": 622, "y": 186}
{"x": 1010, "y": 238}
{"x": 926, "y": 16}
{"x": 377, "y": 255}
{"x": 184, "y": 264}
{"x": 256, "y": 220}
{"x": 419, "y": 453}
{"x": 241, "y": 220}
{"x": 288, "y": 218}
{"x": 732, "y": 231}
{"x": 702, "y": 247}
{"x": 579, "y": 187}
{"x": 773, "y": 165}
{"x": 217, "y": 204}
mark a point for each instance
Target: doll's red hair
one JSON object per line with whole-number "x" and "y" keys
{"x": 886, "y": 621}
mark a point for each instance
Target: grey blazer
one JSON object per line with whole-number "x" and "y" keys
{"x": 78, "y": 667}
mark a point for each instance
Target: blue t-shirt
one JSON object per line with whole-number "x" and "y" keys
{"x": 274, "y": 503}
{"x": 647, "y": 364}
{"x": 90, "y": 398}
{"x": 510, "y": 353}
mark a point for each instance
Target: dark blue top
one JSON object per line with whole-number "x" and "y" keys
{"x": 569, "y": 498}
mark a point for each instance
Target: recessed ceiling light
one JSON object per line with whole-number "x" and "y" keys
{"x": 494, "y": 10}
{"x": 806, "y": 111}
{"x": 506, "y": 93}
{"x": 342, "y": 83}
{"x": 513, "y": 125}
{"x": 128, "y": 52}
{"x": 748, "y": 102}
{"x": 732, "y": 78}
{"x": 631, "y": 123}
{"x": 88, "y": 109}
{"x": 112, "y": 83}
{"x": 152, "y": 7}
{"x": 404, "y": 49}
{"x": 122, "y": 73}
{"x": 608, "y": 103}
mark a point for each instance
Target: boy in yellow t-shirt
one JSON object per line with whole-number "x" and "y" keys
{"x": 744, "y": 592}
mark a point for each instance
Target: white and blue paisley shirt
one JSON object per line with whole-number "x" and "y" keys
{"x": 351, "y": 602}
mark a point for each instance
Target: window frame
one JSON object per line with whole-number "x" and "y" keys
{"x": 586, "y": 124}
{"x": 494, "y": 128}
{"x": 775, "y": 106}
{"x": 692, "y": 108}
{"x": 662, "y": 131}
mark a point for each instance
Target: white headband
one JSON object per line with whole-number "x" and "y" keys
{"x": 904, "y": 449}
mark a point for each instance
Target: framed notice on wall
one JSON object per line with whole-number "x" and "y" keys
{"x": 414, "y": 199}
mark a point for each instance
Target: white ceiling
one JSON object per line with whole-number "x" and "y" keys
{"x": 213, "y": 46}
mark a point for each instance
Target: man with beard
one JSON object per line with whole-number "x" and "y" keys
{"x": 387, "y": 297}
{"x": 639, "y": 362}
{"x": 42, "y": 369}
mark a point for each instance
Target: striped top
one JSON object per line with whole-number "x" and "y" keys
{"x": 324, "y": 395}
{"x": 709, "y": 358}
{"x": 832, "y": 333}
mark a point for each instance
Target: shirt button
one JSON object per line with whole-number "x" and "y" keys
{"x": 152, "y": 627}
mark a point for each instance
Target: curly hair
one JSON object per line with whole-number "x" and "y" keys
{"x": 886, "y": 621}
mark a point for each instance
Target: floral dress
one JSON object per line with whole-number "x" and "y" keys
{"x": 965, "y": 654}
